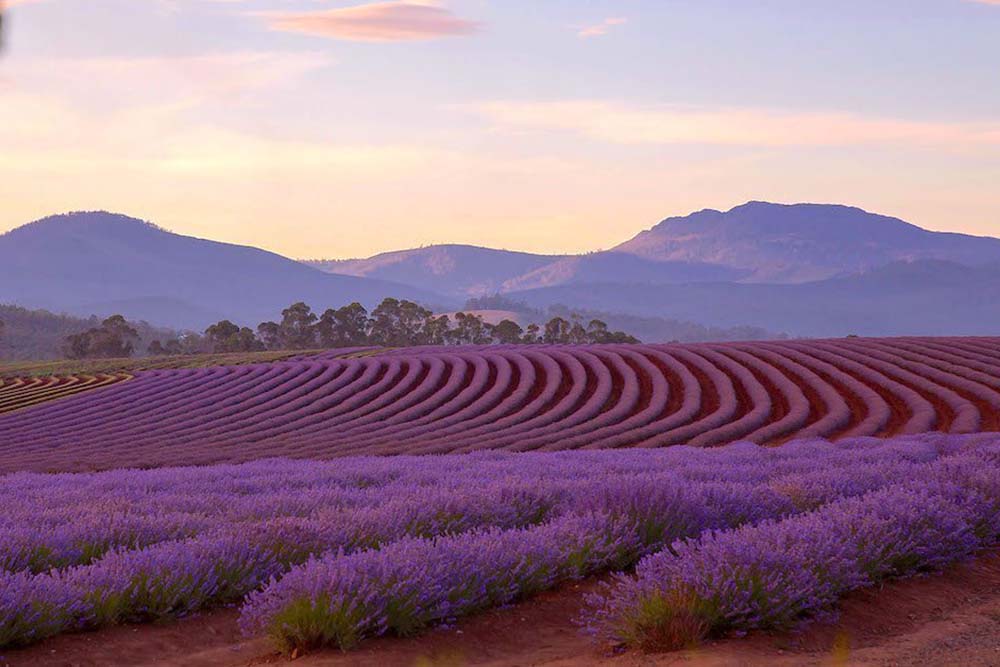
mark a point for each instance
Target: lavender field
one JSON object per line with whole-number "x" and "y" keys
{"x": 331, "y": 553}
{"x": 461, "y": 399}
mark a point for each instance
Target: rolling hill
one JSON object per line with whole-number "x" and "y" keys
{"x": 803, "y": 269}
{"x": 462, "y": 271}
{"x": 923, "y": 297}
{"x": 458, "y": 270}
{"x": 757, "y": 242}
{"x": 780, "y": 243}
{"x": 101, "y": 263}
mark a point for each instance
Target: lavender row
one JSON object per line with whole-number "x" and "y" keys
{"x": 175, "y": 577}
{"x": 61, "y": 520}
{"x": 343, "y": 598}
{"x": 775, "y": 574}
{"x": 520, "y": 398}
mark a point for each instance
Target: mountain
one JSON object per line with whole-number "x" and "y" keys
{"x": 463, "y": 271}
{"x": 922, "y": 297}
{"x": 779, "y": 243}
{"x": 756, "y": 242}
{"x": 804, "y": 269}
{"x": 620, "y": 267}
{"x": 101, "y": 263}
{"x": 457, "y": 270}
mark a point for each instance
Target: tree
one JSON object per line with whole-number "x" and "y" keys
{"x": 621, "y": 337}
{"x": 436, "y": 330}
{"x": 220, "y": 333}
{"x": 225, "y": 336}
{"x": 297, "y": 327}
{"x": 115, "y": 337}
{"x": 556, "y": 331}
{"x": 577, "y": 335}
{"x": 246, "y": 341}
{"x": 345, "y": 327}
{"x": 597, "y": 331}
{"x": 470, "y": 330}
{"x": 269, "y": 334}
{"x": 77, "y": 346}
{"x": 508, "y": 332}
{"x": 397, "y": 323}
{"x": 531, "y": 335}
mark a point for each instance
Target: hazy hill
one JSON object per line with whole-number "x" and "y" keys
{"x": 469, "y": 271}
{"x": 622, "y": 268}
{"x": 928, "y": 297}
{"x": 84, "y": 263}
{"x": 755, "y": 242}
{"x": 804, "y": 269}
{"x": 39, "y": 334}
{"x": 802, "y": 242}
{"x": 457, "y": 270}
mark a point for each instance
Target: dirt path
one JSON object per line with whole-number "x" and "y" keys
{"x": 943, "y": 619}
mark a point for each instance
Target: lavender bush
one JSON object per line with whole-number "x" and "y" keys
{"x": 775, "y": 573}
{"x": 466, "y": 531}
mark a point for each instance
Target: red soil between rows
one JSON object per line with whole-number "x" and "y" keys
{"x": 22, "y": 393}
{"x": 950, "y": 618}
{"x": 140, "y": 424}
{"x": 817, "y": 408}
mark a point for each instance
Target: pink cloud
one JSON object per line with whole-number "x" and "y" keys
{"x": 629, "y": 124}
{"x": 601, "y": 28}
{"x": 393, "y": 21}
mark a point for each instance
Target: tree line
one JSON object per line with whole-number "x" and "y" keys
{"x": 38, "y": 334}
{"x": 393, "y": 323}
{"x": 397, "y": 323}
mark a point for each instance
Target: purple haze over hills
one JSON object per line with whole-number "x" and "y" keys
{"x": 806, "y": 269}
{"x": 803, "y": 242}
{"x": 96, "y": 262}
{"x": 755, "y": 242}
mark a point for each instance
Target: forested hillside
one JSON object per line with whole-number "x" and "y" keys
{"x": 39, "y": 334}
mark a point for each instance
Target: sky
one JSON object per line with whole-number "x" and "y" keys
{"x": 324, "y": 128}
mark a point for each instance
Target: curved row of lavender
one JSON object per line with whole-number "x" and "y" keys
{"x": 20, "y": 393}
{"x": 331, "y": 553}
{"x": 437, "y": 400}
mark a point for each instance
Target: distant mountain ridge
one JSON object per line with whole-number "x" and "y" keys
{"x": 803, "y": 269}
{"x": 755, "y": 242}
{"x": 470, "y": 271}
{"x": 923, "y": 297}
{"x": 98, "y": 262}
{"x": 781, "y": 243}
{"x": 454, "y": 269}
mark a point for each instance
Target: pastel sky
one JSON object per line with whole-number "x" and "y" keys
{"x": 324, "y": 128}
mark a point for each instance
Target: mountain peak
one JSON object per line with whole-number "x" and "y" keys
{"x": 801, "y": 242}
{"x": 100, "y": 262}
{"x": 86, "y": 221}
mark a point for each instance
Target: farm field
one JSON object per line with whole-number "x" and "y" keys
{"x": 21, "y": 393}
{"x": 513, "y": 398}
{"x": 64, "y": 367}
{"x": 940, "y": 618}
{"x": 335, "y": 554}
